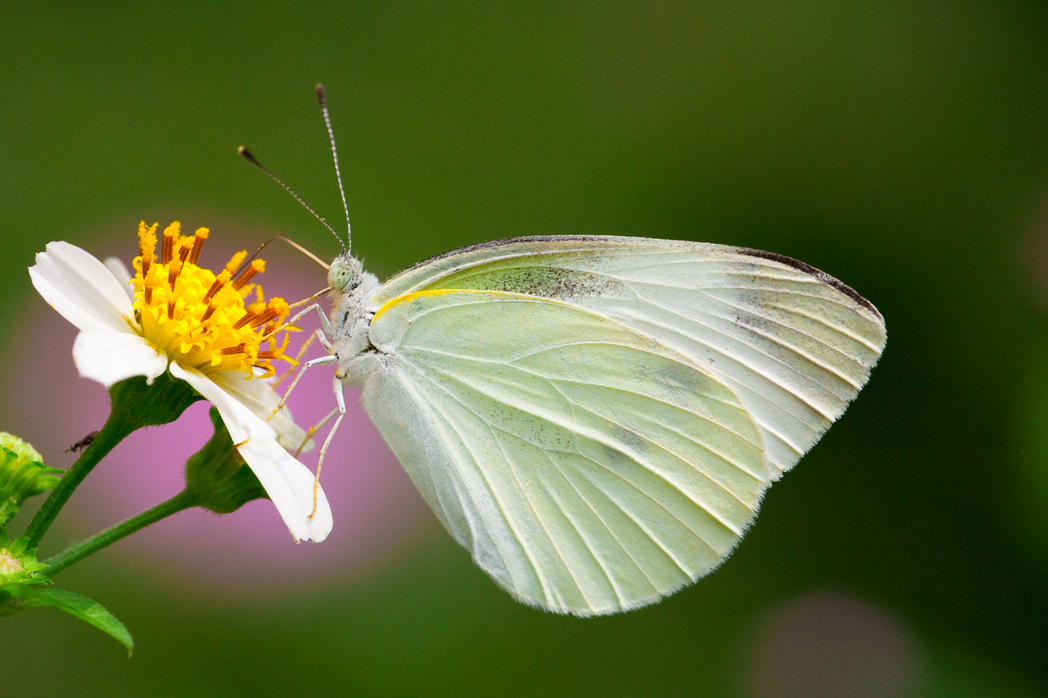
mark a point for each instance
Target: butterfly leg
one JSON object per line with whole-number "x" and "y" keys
{"x": 324, "y": 322}
{"x": 298, "y": 358}
{"x": 341, "y": 400}
{"x": 324, "y": 341}
{"x": 313, "y": 430}
{"x": 329, "y": 359}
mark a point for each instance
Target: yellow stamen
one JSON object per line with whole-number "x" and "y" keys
{"x": 221, "y": 280}
{"x": 198, "y": 244}
{"x": 272, "y": 311}
{"x": 271, "y": 354}
{"x": 236, "y": 261}
{"x": 207, "y": 315}
{"x": 147, "y": 245}
{"x": 171, "y": 234}
{"x": 256, "y": 267}
{"x": 174, "y": 269}
{"x": 197, "y": 317}
{"x": 246, "y": 320}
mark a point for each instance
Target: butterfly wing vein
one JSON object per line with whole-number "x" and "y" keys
{"x": 794, "y": 344}
{"x": 587, "y": 474}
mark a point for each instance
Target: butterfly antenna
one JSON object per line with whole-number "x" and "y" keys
{"x": 322, "y": 98}
{"x": 244, "y": 265}
{"x": 246, "y": 154}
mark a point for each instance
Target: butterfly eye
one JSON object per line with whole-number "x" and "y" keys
{"x": 341, "y": 274}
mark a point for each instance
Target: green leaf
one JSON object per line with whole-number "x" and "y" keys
{"x": 91, "y": 612}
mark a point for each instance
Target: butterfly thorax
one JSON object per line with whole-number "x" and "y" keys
{"x": 351, "y": 319}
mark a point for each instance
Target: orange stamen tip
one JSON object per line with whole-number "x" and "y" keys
{"x": 252, "y": 313}
{"x": 147, "y": 244}
{"x": 257, "y": 266}
{"x": 221, "y": 280}
{"x": 175, "y": 268}
{"x": 275, "y": 310}
{"x": 147, "y": 234}
{"x": 171, "y": 234}
{"x": 235, "y": 261}
{"x": 198, "y": 244}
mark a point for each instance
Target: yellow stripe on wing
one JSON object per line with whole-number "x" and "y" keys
{"x": 439, "y": 292}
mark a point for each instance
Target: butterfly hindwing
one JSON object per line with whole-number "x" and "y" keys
{"x": 588, "y": 467}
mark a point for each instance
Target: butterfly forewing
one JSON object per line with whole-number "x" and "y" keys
{"x": 794, "y": 344}
{"x": 589, "y": 467}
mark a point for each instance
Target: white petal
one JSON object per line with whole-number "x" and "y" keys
{"x": 290, "y": 486}
{"x": 261, "y": 399}
{"x": 288, "y": 483}
{"x": 109, "y": 357}
{"x": 80, "y": 288}
{"x": 119, "y": 271}
{"x": 242, "y": 423}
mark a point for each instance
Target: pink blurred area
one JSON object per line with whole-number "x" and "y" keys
{"x": 828, "y": 643}
{"x": 376, "y": 508}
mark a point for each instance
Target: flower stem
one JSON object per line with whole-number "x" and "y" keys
{"x": 78, "y": 551}
{"x": 110, "y": 435}
{"x": 136, "y": 404}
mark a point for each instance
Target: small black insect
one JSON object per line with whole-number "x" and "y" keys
{"x": 82, "y": 443}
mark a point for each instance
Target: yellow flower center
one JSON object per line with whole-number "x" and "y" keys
{"x": 201, "y": 319}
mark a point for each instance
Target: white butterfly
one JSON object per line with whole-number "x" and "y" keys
{"x": 597, "y": 418}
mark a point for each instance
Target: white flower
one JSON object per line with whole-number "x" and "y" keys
{"x": 196, "y": 325}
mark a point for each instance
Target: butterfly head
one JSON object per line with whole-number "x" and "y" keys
{"x": 344, "y": 274}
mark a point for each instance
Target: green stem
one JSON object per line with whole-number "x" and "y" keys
{"x": 111, "y": 434}
{"x": 78, "y": 551}
{"x": 136, "y": 404}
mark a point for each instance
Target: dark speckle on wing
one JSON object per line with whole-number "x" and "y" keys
{"x": 542, "y": 281}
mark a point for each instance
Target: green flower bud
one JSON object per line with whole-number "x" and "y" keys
{"x": 22, "y": 475}
{"x": 218, "y": 477}
{"x": 9, "y": 564}
{"x": 19, "y": 572}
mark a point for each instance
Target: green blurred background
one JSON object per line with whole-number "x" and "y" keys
{"x": 900, "y": 146}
